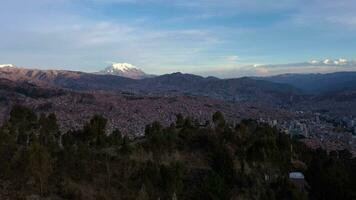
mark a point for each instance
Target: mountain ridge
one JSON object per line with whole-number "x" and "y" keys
{"x": 175, "y": 83}
{"x": 316, "y": 83}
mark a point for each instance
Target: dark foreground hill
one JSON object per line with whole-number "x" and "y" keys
{"x": 186, "y": 160}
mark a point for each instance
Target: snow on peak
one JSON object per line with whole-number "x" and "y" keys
{"x": 6, "y": 65}
{"x": 122, "y": 66}
{"x": 328, "y": 62}
{"x": 341, "y": 61}
{"x": 125, "y": 70}
{"x": 314, "y": 62}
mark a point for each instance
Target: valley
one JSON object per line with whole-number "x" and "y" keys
{"x": 132, "y": 103}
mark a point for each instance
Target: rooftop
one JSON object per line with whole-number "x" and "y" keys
{"x": 296, "y": 175}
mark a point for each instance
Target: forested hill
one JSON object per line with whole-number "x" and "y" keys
{"x": 186, "y": 160}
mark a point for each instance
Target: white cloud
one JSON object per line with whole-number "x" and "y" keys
{"x": 88, "y": 45}
{"x": 78, "y": 42}
{"x": 314, "y": 66}
{"x": 233, "y": 58}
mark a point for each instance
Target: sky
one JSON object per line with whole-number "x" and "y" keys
{"x": 209, "y": 37}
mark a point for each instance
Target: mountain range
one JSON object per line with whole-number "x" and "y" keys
{"x": 123, "y": 77}
{"x": 317, "y": 83}
{"x": 176, "y": 83}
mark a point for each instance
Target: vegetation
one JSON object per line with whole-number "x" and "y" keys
{"x": 186, "y": 160}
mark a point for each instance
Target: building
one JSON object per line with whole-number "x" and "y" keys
{"x": 297, "y": 178}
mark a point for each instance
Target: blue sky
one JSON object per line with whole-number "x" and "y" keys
{"x": 209, "y": 37}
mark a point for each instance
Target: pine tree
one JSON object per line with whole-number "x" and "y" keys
{"x": 218, "y": 119}
{"x": 40, "y": 164}
{"x": 49, "y": 131}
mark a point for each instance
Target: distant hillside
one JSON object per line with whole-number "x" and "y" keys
{"x": 227, "y": 89}
{"x": 318, "y": 83}
{"x": 65, "y": 79}
{"x": 176, "y": 83}
{"x": 27, "y": 89}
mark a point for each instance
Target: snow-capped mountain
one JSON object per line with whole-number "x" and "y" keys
{"x": 125, "y": 70}
{"x": 339, "y": 61}
{"x": 6, "y": 65}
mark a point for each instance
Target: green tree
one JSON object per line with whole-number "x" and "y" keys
{"x": 94, "y": 132}
{"x": 214, "y": 187}
{"x": 115, "y": 138}
{"x": 49, "y": 131}
{"x": 126, "y": 147}
{"x": 218, "y": 119}
{"x": 179, "y": 120}
{"x": 23, "y": 122}
{"x": 40, "y": 164}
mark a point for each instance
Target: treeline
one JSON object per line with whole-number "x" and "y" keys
{"x": 186, "y": 160}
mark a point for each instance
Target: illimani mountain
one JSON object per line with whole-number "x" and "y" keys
{"x": 125, "y": 70}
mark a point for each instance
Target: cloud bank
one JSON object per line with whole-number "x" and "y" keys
{"x": 313, "y": 66}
